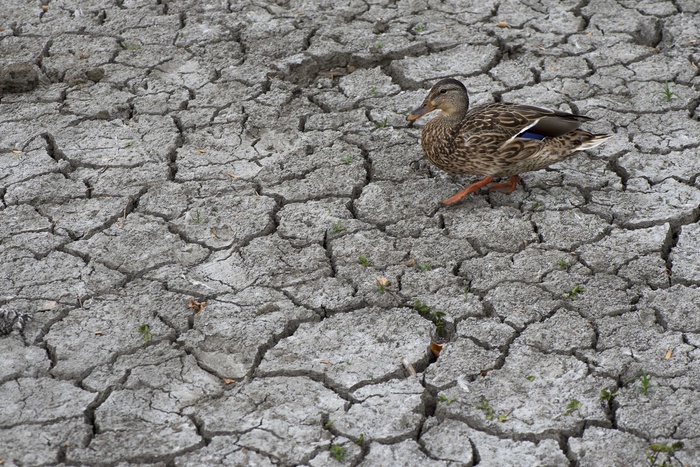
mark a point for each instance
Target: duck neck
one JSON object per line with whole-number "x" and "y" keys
{"x": 439, "y": 137}
{"x": 452, "y": 120}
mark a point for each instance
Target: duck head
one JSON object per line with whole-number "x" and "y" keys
{"x": 448, "y": 95}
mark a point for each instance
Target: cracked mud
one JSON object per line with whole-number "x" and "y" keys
{"x": 197, "y": 200}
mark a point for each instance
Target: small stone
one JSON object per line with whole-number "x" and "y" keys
{"x": 19, "y": 77}
{"x": 380, "y": 26}
{"x": 11, "y": 320}
{"x": 75, "y": 77}
{"x": 95, "y": 74}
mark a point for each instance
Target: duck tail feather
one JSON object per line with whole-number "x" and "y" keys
{"x": 593, "y": 141}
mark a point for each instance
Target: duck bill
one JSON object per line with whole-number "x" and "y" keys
{"x": 420, "y": 111}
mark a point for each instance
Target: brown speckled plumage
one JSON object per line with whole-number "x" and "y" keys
{"x": 496, "y": 140}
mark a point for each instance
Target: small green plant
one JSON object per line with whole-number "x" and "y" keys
{"x": 645, "y": 379}
{"x": 606, "y": 396}
{"x": 443, "y": 398}
{"x": 488, "y": 410}
{"x": 383, "y": 283}
{"x": 573, "y": 293}
{"x": 338, "y": 452}
{"x": 656, "y": 449}
{"x": 128, "y": 144}
{"x": 364, "y": 261}
{"x": 348, "y": 160}
{"x": 196, "y": 217}
{"x": 145, "y": 332}
{"x": 337, "y": 227}
{"x": 373, "y": 91}
{"x": 127, "y": 46}
{"x": 563, "y": 264}
{"x": 537, "y": 204}
{"x": 420, "y": 27}
{"x": 467, "y": 289}
{"x": 434, "y": 316}
{"x": 421, "y": 308}
{"x": 381, "y": 124}
{"x": 328, "y": 424}
{"x": 422, "y": 267}
{"x": 572, "y": 405}
{"x": 530, "y": 377}
{"x": 360, "y": 440}
{"x": 668, "y": 94}
{"x": 379, "y": 45}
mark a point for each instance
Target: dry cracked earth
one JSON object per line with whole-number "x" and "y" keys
{"x": 198, "y": 200}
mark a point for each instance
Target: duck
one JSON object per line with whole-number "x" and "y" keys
{"x": 497, "y": 140}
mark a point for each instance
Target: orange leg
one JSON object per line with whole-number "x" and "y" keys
{"x": 506, "y": 187}
{"x": 470, "y": 189}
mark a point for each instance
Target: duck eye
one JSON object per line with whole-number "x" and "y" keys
{"x": 443, "y": 91}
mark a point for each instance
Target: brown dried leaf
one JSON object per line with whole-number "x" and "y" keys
{"x": 502, "y": 24}
{"x": 195, "y": 305}
{"x": 229, "y": 381}
{"x": 669, "y": 353}
{"x": 99, "y": 333}
{"x": 436, "y": 348}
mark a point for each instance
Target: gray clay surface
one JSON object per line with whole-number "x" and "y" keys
{"x": 220, "y": 243}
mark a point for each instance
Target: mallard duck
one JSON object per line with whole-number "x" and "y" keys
{"x": 496, "y": 140}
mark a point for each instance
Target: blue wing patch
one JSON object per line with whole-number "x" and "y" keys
{"x": 530, "y": 135}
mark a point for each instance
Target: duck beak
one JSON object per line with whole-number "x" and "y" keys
{"x": 420, "y": 111}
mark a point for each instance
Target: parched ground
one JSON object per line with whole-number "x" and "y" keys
{"x": 254, "y": 155}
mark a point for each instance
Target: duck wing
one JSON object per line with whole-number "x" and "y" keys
{"x": 519, "y": 121}
{"x": 499, "y": 152}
